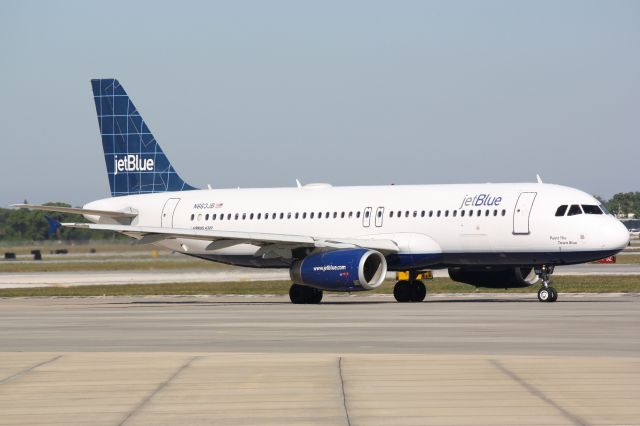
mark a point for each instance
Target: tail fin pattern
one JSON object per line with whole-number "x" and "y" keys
{"x": 135, "y": 161}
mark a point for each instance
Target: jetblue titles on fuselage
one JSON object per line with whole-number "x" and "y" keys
{"x": 480, "y": 200}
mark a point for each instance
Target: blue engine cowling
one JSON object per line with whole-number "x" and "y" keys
{"x": 341, "y": 270}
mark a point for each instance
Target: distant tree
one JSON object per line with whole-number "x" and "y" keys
{"x": 625, "y": 203}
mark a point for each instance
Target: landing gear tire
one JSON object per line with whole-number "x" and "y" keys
{"x": 544, "y": 294}
{"x": 418, "y": 291}
{"x": 301, "y": 294}
{"x": 402, "y": 291}
{"x": 409, "y": 291}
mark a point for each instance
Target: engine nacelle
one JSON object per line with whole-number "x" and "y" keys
{"x": 341, "y": 270}
{"x": 495, "y": 278}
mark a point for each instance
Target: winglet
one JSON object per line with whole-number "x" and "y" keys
{"x": 539, "y": 178}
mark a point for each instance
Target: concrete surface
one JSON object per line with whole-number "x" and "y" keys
{"x": 355, "y": 360}
{"x": 225, "y": 274}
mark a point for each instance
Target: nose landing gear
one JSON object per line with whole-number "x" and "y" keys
{"x": 546, "y": 292}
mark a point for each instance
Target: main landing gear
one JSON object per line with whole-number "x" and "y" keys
{"x": 546, "y": 292}
{"x": 301, "y": 294}
{"x": 409, "y": 291}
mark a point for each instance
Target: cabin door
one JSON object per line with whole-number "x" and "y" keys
{"x": 522, "y": 212}
{"x": 379, "y": 216}
{"x": 166, "y": 221}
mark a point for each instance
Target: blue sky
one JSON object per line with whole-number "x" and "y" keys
{"x": 257, "y": 94}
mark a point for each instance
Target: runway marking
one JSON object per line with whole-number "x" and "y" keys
{"x": 344, "y": 397}
{"x": 538, "y": 393}
{"x": 26, "y": 370}
{"x": 157, "y": 390}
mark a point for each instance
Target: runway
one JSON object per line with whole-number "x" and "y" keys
{"x": 46, "y": 279}
{"x": 354, "y": 360}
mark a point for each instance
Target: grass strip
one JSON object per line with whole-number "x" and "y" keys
{"x": 564, "y": 284}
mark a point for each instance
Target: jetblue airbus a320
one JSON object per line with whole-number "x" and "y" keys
{"x": 344, "y": 238}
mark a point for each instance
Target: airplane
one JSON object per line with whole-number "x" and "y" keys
{"x": 344, "y": 239}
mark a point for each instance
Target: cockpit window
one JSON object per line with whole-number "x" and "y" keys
{"x": 604, "y": 209}
{"x": 591, "y": 209}
{"x": 574, "y": 210}
{"x": 561, "y": 210}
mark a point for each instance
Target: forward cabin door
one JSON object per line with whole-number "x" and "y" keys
{"x": 366, "y": 217}
{"x": 522, "y": 212}
{"x": 166, "y": 221}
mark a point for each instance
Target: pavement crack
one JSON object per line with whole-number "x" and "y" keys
{"x": 342, "y": 393}
{"x": 157, "y": 390}
{"x": 27, "y": 370}
{"x": 576, "y": 420}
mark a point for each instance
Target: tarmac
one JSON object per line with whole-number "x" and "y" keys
{"x": 353, "y": 360}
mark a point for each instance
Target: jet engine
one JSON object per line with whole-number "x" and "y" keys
{"x": 341, "y": 270}
{"x": 514, "y": 277}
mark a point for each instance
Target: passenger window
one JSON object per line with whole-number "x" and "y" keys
{"x": 470, "y": 212}
{"x": 504, "y": 212}
{"x": 335, "y": 215}
{"x": 342, "y": 215}
{"x": 206, "y": 216}
{"x": 289, "y": 215}
{"x": 438, "y": 213}
{"x": 192, "y": 216}
{"x": 304, "y": 215}
{"x": 221, "y": 217}
{"x": 462, "y": 213}
{"x": 251, "y": 216}
{"x": 273, "y": 215}
{"x": 326, "y": 215}
{"x": 259, "y": 216}
{"x": 591, "y": 209}
{"x": 311, "y": 215}
{"x": 358, "y": 215}
{"x": 379, "y": 213}
{"x": 486, "y": 213}
{"x": 479, "y": 213}
{"x": 455, "y": 213}
{"x": 297, "y": 215}
{"x": 281, "y": 215}
{"x": 422, "y": 213}
{"x": 213, "y": 217}
{"x": 415, "y": 213}
{"x": 244, "y": 216}
{"x": 390, "y": 213}
{"x": 350, "y": 215}
{"x": 430, "y": 213}
{"x": 366, "y": 214}
{"x": 446, "y": 213}
{"x": 406, "y": 214}
{"x": 561, "y": 210}
{"x": 574, "y": 210}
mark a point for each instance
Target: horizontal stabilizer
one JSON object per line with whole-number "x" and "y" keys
{"x": 74, "y": 210}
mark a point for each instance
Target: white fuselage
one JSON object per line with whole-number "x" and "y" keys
{"x": 434, "y": 225}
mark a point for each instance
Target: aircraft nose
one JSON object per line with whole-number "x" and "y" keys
{"x": 618, "y": 235}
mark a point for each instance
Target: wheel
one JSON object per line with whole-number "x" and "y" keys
{"x": 298, "y": 294}
{"x": 418, "y": 291}
{"x": 553, "y": 294}
{"x": 316, "y": 296}
{"x": 402, "y": 292}
{"x": 544, "y": 294}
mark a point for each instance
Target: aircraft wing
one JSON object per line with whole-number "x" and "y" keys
{"x": 150, "y": 234}
{"x": 74, "y": 210}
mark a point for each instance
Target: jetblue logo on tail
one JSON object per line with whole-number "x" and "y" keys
{"x": 132, "y": 163}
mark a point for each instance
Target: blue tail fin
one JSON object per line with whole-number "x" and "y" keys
{"x": 135, "y": 161}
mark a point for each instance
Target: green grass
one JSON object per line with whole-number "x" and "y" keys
{"x": 564, "y": 284}
{"x": 110, "y": 265}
